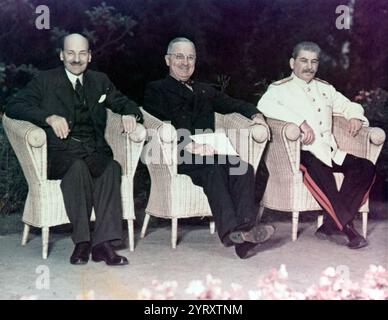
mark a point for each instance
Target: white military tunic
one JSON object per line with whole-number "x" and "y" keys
{"x": 294, "y": 100}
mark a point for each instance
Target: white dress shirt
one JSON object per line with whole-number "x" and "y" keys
{"x": 73, "y": 78}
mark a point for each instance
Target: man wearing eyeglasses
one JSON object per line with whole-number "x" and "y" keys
{"x": 69, "y": 104}
{"x": 191, "y": 105}
{"x": 310, "y": 103}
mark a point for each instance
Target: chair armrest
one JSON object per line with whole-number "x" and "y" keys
{"x": 126, "y": 147}
{"x": 283, "y": 155}
{"x": 164, "y": 130}
{"x": 259, "y": 131}
{"x": 30, "y": 145}
{"x": 248, "y": 138}
{"x": 161, "y": 149}
{"x": 367, "y": 144}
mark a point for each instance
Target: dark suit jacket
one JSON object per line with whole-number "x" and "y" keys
{"x": 51, "y": 92}
{"x": 170, "y": 100}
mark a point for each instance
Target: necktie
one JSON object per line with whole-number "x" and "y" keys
{"x": 79, "y": 90}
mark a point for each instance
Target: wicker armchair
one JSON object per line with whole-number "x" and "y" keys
{"x": 285, "y": 189}
{"x": 174, "y": 196}
{"x": 44, "y": 207}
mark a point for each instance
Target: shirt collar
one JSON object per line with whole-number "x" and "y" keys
{"x": 73, "y": 78}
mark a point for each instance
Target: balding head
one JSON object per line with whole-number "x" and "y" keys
{"x": 75, "y": 53}
{"x": 73, "y": 38}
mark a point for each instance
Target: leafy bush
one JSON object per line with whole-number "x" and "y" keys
{"x": 375, "y": 103}
{"x": 13, "y": 186}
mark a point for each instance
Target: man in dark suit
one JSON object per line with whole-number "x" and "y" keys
{"x": 69, "y": 104}
{"x": 191, "y": 105}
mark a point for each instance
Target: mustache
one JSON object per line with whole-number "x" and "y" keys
{"x": 308, "y": 71}
{"x": 76, "y": 63}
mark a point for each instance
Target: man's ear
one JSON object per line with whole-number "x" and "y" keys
{"x": 167, "y": 58}
{"x": 61, "y": 55}
{"x": 292, "y": 61}
{"x": 90, "y": 56}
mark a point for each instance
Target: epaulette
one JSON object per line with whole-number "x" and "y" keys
{"x": 279, "y": 82}
{"x": 323, "y": 81}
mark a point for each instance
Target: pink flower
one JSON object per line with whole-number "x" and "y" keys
{"x": 160, "y": 291}
{"x": 331, "y": 286}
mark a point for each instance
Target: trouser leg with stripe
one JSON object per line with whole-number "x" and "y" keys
{"x": 340, "y": 205}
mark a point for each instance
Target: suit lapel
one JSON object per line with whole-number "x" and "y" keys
{"x": 193, "y": 101}
{"x": 179, "y": 90}
{"x": 64, "y": 91}
{"x": 199, "y": 99}
{"x": 90, "y": 89}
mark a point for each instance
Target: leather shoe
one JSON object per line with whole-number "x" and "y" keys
{"x": 81, "y": 253}
{"x": 258, "y": 234}
{"x": 325, "y": 232}
{"x": 247, "y": 249}
{"x": 356, "y": 241}
{"x": 104, "y": 252}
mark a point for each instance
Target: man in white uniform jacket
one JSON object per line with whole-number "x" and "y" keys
{"x": 310, "y": 103}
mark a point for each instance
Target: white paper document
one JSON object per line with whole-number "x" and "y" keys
{"x": 218, "y": 141}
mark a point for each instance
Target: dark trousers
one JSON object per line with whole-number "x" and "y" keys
{"x": 89, "y": 179}
{"x": 340, "y": 205}
{"x": 231, "y": 195}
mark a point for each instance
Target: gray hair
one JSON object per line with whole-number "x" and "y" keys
{"x": 307, "y": 46}
{"x": 178, "y": 39}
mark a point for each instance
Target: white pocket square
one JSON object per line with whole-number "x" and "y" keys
{"x": 102, "y": 98}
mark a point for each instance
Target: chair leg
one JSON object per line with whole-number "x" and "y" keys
{"x": 212, "y": 227}
{"x": 131, "y": 235}
{"x": 145, "y": 225}
{"x": 174, "y": 232}
{"x": 45, "y": 241}
{"x": 26, "y": 231}
{"x": 319, "y": 221}
{"x": 364, "y": 223}
{"x": 259, "y": 214}
{"x": 295, "y": 218}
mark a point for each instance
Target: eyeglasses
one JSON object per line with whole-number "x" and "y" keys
{"x": 182, "y": 57}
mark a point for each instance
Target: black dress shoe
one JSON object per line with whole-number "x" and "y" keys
{"x": 81, "y": 253}
{"x": 227, "y": 242}
{"x": 247, "y": 249}
{"x": 257, "y": 234}
{"x": 105, "y": 252}
{"x": 325, "y": 232}
{"x": 356, "y": 241}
